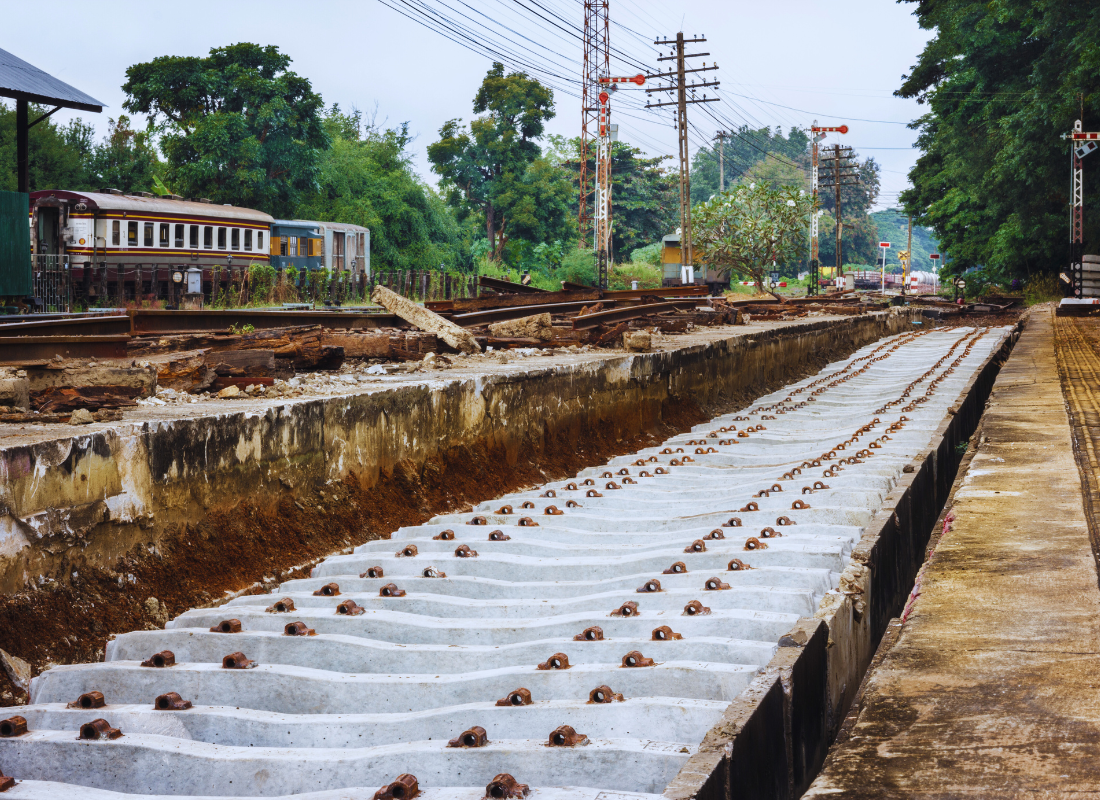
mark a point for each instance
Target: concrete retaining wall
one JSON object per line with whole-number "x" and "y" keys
{"x": 92, "y": 497}
{"x": 773, "y": 739}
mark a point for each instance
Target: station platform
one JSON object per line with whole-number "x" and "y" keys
{"x": 991, "y": 687}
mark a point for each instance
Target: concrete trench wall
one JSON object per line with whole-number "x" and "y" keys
{"x": 773, "y": 739}
{"x": 92, "y": 497}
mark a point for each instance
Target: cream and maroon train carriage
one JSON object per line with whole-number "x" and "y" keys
{"x": 121, "y": 245}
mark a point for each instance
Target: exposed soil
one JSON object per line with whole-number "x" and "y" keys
{"x": 250, "y": 547}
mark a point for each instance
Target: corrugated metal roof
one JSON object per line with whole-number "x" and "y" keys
{"x": 17, "y": 77}
{"x": 156, "y": 205}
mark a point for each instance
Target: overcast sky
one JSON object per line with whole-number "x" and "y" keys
{"x": 782, "y": 64}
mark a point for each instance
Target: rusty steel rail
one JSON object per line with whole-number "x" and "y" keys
{"x": 616, "y": 315}
{"x": 23, "y": 350}
{"x": 89, "y": 326}
{"x": 506, "y": 287}
{"x": 475, "y": 318}
{"x": 163, "y": 321}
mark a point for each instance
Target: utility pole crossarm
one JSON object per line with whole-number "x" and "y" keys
{"x": 689, "y": 102}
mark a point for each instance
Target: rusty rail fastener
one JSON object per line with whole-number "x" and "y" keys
{"x": 750, "y": 507}
{"x": 520, "y": 697}
{"x": 238, "y": 660}
{"x": 603, "y": 694}
{"x": 171, "y": 701}
{"x": 329, "y": 590}
{"x": 478, "y": 521}
{"x": 635, "y": 659}
{"x": 445, "y": 536}
{"x": 592, "y": 493}
{"x": 717, "y": 533}
{"x": 592, "y": 634}
{"x": 391, "y": 590}
{"x": 574, "y": 503}
{"x": 556, "y": 661}
{"x": 432, "y": 572}
{"x": 679, "y": 568}
{"x": 505, "y": 786}
{"x": 737, "y": 565}
{"x": 408, "y": 551}
{"x": 732, "y": 522}
{"x": 281, "y": 606}
{"x": 715, "y": 585}
{"x": 165, "y": 658}
{"x": 464, "y": 551}
{"x": 6, "y": 782}
{"x": 227, "y": 626}
{"x": 375, "y": 572}
{"x": 499, "y": 536}
{"x": 298, "y": 629}
{"x": 627, "y": 609}
{"x": 474, "y": 737}
{"x": 571, "y": 487}
{"x": 612, "y": 485}
{"x": 695, "y": 609}
{"x": 98, "y": 729}
{"x": 752, "y": 543}
{"x": 665, "y": 634}
{"x": 799, "y": 504}
{"x": 526, "y": 504}
{"x": 12, "y": 726}
{"x": 652, "y": 585}
{"x": 505, "y": 510}
{"x": 565, "y": 736}
{"x": 88, "y": 700}
{"x": 549, "y": 493}
{"x": 698, "y": 546}
{"x": 405, "y": 787}
{"x": 768, "y": 533}
{"x": 527, "y": 522}
{"x": 552, "y": 511}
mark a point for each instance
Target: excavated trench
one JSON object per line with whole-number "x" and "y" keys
{"x": 611, "y": 635}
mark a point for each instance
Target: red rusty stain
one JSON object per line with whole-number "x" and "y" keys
{"x": 636, "y": 659}
{"x": 520, "y": 697}
{"x": 298, "y": 629}
{"x": 237, "y": 660}
{"x": 473, "y": 737}
{"x": 565, "y": 736}
{"x": 171, "y": 701}
{"x": 665, "y": 634}
{"x": 556, "y": 661}
{"x": 603, "y": 694}
{"x": 165, "y": 658}
{"x": 88, "y": 700}
{"x": 505, "y": 786}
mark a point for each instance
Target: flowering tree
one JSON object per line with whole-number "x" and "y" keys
{"x": 750, "y": 228}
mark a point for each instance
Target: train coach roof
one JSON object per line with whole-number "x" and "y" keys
{"x": 316, "y": 226}
{"x": 154, "y": 205}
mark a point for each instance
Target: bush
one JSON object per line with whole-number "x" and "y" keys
{"x": 578, "y": 265}
{"x": 650, "y": 254}
{"x": 1043, "y": 289}
{"x": 647, "y": 275}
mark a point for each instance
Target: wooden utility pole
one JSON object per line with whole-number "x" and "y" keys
{"x": 844, "y": 174}
{"x": 682, "y": 89}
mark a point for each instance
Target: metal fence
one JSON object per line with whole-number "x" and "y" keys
{"x": 52, "y": 283}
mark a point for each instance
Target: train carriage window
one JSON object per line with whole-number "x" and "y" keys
{"x": 292, "y": 246}
{"x": 148, "y": 234}
{"x": 235, "y": 239}
{"x": 116, "y": 232}
{"x": 131, "y": 234}
{"x": 248, "y": 240}
{"x": 282, "y": 245}
{"x": 207, "y": 238}
{"x": 179, "y": 236}
{"x": 221, "y": 238}
{"x": 165, "y": 230}
{"x": 194, "y": 237}
{"x": 260, "y": 241}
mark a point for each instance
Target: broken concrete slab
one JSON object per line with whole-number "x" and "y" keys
{"x": 536, "y": 326}
{"x": 426, "y": 320}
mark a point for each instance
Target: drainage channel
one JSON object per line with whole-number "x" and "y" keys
{"x": 572, "y": 642}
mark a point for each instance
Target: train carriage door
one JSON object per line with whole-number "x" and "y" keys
{"x": 48, "y": 239}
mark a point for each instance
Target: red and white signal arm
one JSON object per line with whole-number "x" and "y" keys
{"x": 837, "y": 129}
{"x": 934, "y": 256}
{"x": 883, "y": 244}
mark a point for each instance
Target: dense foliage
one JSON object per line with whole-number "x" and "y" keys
{"x": 743, "y": 149}
{"x": 1002, "y": 81}
{"x": 236, "y": 126}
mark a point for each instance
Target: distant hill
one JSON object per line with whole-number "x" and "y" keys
{"x": 893, "y": 227}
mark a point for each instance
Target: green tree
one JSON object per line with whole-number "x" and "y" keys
{"x": 58, "y": 154}
{"x": 366, "y": 178}
{"x": 743, "y": 149}
{"x": 750, "y": 228}
{"x": 236, "y": 126}
{"x": 483, "y": 168}
{"x": 1002, "y": 81}
{"x": 124, "y": 160}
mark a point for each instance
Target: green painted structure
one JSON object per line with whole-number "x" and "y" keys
{"x": 15, "y": 245}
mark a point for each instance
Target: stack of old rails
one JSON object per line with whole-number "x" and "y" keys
{"x": 586, "y": 633}
{"x": 1090, "y": 276}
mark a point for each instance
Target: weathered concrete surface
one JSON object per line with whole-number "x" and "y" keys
{"x": 990, "y": 690}
{"x": 92, "y": 494}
